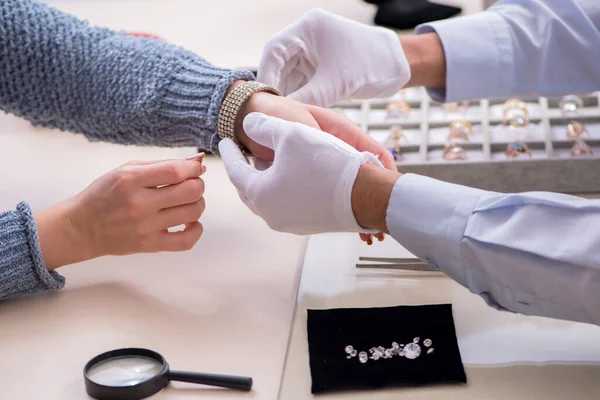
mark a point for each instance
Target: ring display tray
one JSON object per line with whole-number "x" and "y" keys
{"x": 550, "y": 166}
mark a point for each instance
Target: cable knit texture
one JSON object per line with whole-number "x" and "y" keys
{"x": 60, "y": 72}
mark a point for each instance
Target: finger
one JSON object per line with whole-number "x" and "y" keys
{"x": 197, "y": 157}
{"x": 364, "y": 236}
{"x": 179, "y": 215}
{"x": 181, "y": 240}
{"x": 186, "y": 192}
{"x": 167, "y": 172}
{"x": 265, "y": 130}
{"x": 346, "y": 130}
{"x": 239, "y": 171}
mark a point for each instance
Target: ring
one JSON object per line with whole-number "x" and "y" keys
{"x": 454, "y": 152}
{"x": 453, "y": 107}
{"x": 460, "y": 130}
{"x": 399, "y": 109}
{"x": 570, "y": 105}
{"x": 581, "y": 148}
{"x": 515, "y": 149}
{"x": 515, "y": 113}
{"x": 393, "y": 142}
{"x": 576, "y": 129}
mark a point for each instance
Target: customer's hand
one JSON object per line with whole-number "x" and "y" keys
{"x": 128, "y": 210}
{"x": 323, "y": 58}
{"x": 326, "y": 120}
{"x": 308, "y": 188}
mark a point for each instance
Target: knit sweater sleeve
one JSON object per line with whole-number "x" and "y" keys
{"x": 60, "y": 72}
{"x": 22, "y": 268}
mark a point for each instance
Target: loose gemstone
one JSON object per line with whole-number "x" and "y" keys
{"x": 412, "y": 351}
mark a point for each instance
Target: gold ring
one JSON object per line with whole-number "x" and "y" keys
{"x": 515, "y": 149}
{"x": 398, "y": 109}
{"x": 581, "y": 148}
{"x": 454, "y": 152}
{"x": 515, "y": 113}
{"x": 460, "y": 130}
{"x": 576, "y": 129}
{"x": 393, "y": 142}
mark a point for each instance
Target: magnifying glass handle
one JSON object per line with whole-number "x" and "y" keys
{"x": 226, "y": 381}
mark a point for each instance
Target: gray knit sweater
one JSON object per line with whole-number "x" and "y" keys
{"x": 60, "y": 72}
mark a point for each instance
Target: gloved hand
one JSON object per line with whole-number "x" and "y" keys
{"x": 323, "y": 58}
{"x": 309, "y": 186}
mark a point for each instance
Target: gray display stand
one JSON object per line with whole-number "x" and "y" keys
{"x": 551, "y": 168}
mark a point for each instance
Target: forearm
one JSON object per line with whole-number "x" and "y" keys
{"x": 520, "y": 252}
{"x": 427, "y": 60}
{"x": 107, "y": 85}
{"x": 22, "y": 266}
{"x": 518, "y": 48}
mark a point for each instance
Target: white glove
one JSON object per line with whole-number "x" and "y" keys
{"x": 308, "y": 188}
{"x": 323, "y": 58}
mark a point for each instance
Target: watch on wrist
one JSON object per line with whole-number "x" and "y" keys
{"x": 232, "y": 105}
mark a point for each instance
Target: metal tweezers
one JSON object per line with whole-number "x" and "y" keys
{"x": 406, "y": 264}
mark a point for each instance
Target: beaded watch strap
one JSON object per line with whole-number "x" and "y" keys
{"x": 232, "y": 104}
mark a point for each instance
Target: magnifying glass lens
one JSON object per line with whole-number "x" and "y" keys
{"x": 124, "y": 371}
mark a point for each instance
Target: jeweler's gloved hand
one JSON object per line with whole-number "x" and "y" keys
{"x": 323, "y": 58}
{"x": 309, "y": 186}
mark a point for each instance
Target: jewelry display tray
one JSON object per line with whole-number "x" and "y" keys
{"x": 550, "y": 168}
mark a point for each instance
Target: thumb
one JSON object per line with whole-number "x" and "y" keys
{"x": 265, "y": 130}
{"x": 237, "y": 167}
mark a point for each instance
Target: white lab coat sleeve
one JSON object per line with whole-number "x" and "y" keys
{"x": 520, "y": 48}
{"x": 533, "y": 253}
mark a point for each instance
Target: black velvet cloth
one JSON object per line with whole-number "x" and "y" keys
{"x": 330, "y": 331}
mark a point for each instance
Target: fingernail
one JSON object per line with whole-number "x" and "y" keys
{"x": 196, "y": 157}
{"x": 203, "y": 169}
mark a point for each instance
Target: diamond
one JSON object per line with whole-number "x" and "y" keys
{"x": 430, "y": 350}
{"x": 363, "y": 357}
{"x": 401, "y": 354}
{"x": 412, "y": 351}
{"x": 395, "y": 345}
{"x": 427, "y": 342}
{"x": 349, "y": 349}
{"x": 353, "y": 353}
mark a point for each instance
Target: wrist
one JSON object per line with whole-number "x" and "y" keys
{"x": 426, "y": 58}
{"x": 59, "y": 240}
{"x": 371, "y": 195}
{"x": 258, "y": 102}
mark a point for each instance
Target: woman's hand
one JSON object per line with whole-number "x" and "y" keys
{"x": 128, "y": 210}
{"x": 326, "y": 120}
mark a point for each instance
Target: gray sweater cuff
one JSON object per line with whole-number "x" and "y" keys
{"x": 189, "y": 108}
{"x": 22, "y": 267}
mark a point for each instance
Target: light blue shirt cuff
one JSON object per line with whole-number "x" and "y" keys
{"x": 429, "y": 217}
{"x": 481, "y": 68}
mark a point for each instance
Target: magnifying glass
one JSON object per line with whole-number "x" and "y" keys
{"x": 132, "y": 373}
